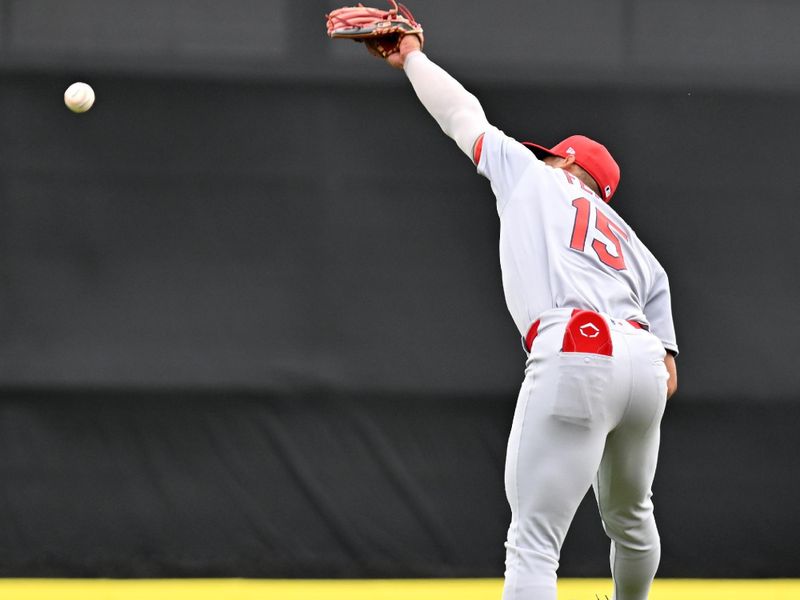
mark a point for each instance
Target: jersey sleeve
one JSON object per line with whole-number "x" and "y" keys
{"x": 503, "y": 161}
{"x": 658, "y": 309}
{"x": 457, "y": 111}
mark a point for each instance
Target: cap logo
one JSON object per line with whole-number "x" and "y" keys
{"x": 571, "y": 150}
{"x": 608, "y": 191}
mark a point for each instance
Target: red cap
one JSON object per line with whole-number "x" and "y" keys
{"x": 591, "y": 156}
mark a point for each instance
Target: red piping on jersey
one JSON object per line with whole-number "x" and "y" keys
{"x": 477, "y": 150}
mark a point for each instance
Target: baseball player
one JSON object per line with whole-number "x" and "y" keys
{"x": 592, "y": 306}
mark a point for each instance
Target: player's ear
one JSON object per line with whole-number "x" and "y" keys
{"x": 569, "y": 160}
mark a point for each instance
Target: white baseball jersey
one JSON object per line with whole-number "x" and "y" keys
{"x": 561, "y": 246}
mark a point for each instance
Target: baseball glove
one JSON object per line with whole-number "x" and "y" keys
{"x": 380, "y": 30}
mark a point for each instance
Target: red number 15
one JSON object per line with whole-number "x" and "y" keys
{"x": 609, "y": 229}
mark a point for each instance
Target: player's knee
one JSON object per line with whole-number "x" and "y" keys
{"x": 639, "y": 535}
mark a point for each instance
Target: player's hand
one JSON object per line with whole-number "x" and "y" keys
{"x": 408, "y": 44}
{"x": 383, "y": 32}
{"x": 672, "y": 369}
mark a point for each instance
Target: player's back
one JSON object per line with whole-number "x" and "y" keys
{"x": 562, "y": 246}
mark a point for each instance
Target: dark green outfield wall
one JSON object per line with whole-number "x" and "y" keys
{"x": 172, "y": 484}
{"x": 195, "y": 233}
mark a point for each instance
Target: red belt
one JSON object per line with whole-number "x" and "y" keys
{"x": 534, "y": 330}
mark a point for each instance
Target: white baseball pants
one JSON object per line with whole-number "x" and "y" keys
{"x": 585, "y": 420}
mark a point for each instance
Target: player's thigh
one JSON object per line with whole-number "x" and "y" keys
{"x": 553, "y": 459}
{"x": 625, "y": 475}
{"x": 628, "y": 466}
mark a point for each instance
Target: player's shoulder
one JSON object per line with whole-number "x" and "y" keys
{"x": 611, "y": 212}
{"x": 504, "y": 161}
{"x": 503, "y": 146}
{"x": 633, "y": 238}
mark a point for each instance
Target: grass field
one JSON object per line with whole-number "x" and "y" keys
{"x": 428, "y": 589}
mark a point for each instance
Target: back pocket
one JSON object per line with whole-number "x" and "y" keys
{"x": 583, "y": 385}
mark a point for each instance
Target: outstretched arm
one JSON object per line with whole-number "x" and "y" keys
{"x": 457, "y": 112}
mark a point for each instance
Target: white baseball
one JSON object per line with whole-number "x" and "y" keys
{"x": 79, "y": 97}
